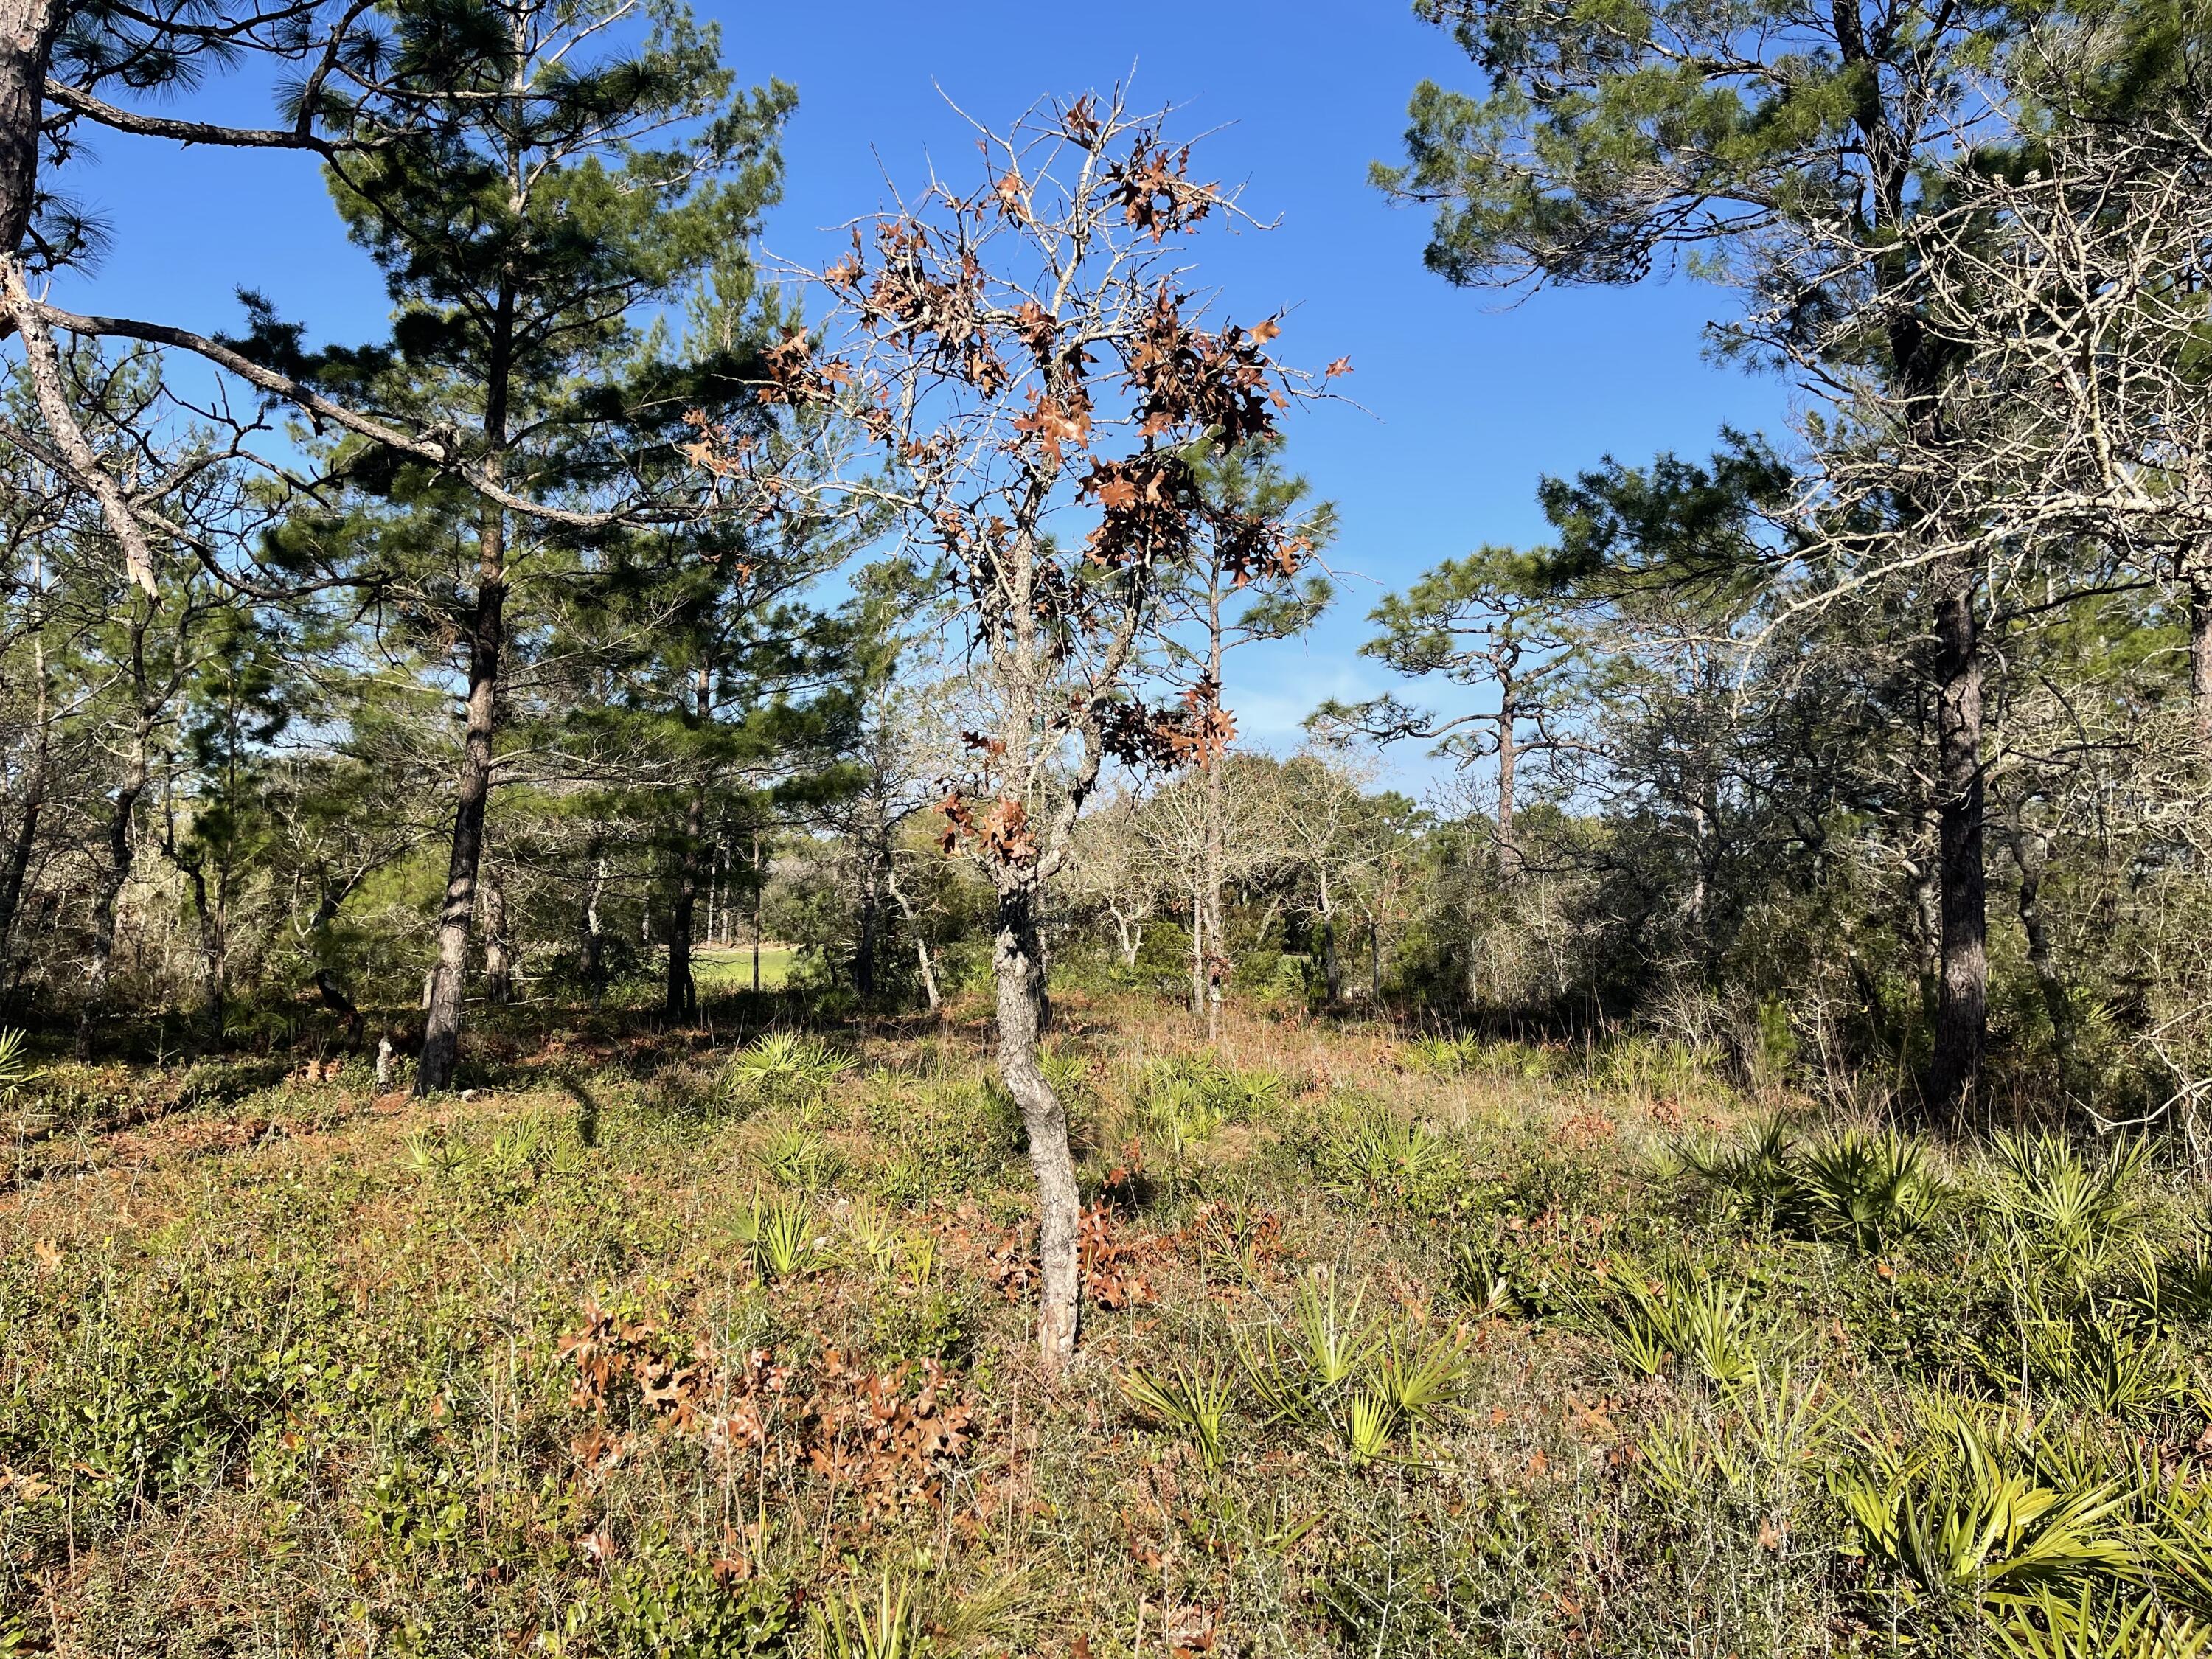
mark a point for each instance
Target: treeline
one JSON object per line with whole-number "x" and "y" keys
{"x": 621, "y": 602}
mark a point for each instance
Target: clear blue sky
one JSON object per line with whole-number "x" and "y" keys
{"x": 1465, "y": 405}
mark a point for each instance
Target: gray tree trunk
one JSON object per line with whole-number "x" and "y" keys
{"x": 1018, "y": 963}
{"x": 1963, "y": 983}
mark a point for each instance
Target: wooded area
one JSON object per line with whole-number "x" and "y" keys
{"x": 659, "y": 721}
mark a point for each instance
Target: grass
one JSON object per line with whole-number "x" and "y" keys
{"x": 658, "y": 1347}
{"x": 717, "y": 970}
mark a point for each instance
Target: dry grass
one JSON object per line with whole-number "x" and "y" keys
{"x": 618, "y": 1357}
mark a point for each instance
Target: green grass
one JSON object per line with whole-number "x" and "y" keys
{"x": 718, "y": 972}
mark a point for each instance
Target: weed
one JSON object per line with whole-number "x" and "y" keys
{"x": 1334, "y": 1342}
{"x": 15, "y": 1068}
{"x": 1963, "y": 1514}
{"x": 1372, "y": 1421}
{"x": 1444, "y": 1056}
{"x": 1872, "y": 1190}
{"x": 1380, "y": 1157}
{"x": 2075, "y": 1211}
{"x": 779, "y": 1236}
{"x": 1757, "y": 1172}
{"x": 1868, "y": 1190}
{"x": 783, "y": 1067}
{"x": 1677, "y": 1319}
{"x": 874, "y": 1235}
{"x": 798, "y": 1156}
{"x": 2090, "y": 1625}
{"x": 849, "y": 1629}
{"x": 1195, "y": 1404}
{"x": 1421, "y": 1376}
{"x": 1487, "y": 1288}
{"x": 435, "y": 1152}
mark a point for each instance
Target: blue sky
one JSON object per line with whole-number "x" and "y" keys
{"x": 1464, "y": 403}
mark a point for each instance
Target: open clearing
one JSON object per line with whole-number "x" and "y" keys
{"x": 1391, "y": 1346}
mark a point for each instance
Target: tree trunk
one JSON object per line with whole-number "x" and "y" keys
{"x": 209, "y": 927}
{"x": 2200, "y": 649}
{"x": 921, "y": 942}
{"x": 499, "y": 950}
{"x": 441, "y": 1030}
{"x": 1508, "y": 761}
{"x": 334, "y": 999}
{"x": 1374, "y": 962}
{"x": 122, "y": 848}
{"x": 759, "y": 882}
{"x": 1197, "y": 950}
{"x": 14, "y": 869}
{"x": 2031, "y": 854}
{"x": 42, "y": 367}
{"x": 1216, "y": 941}
{"x": 1217, "y": 937}
{"x": 1962, "y": 992}
{"x": 1018, "y": 963}
{"x": 682, "y": 1000}
{"x": 27, "y": 28}
{"x": 441, "y": 1026}
{"x": 864, "y": 950}
{"x": 595, "y": 939}
{"x": 122, "y": 836}
{"x": 1129, "y": 935}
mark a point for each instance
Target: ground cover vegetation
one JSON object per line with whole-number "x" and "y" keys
{"x": 649, "y": 1005}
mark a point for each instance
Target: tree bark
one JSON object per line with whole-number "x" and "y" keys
{"x": 28, "y": 29}
{"x": 595, "y": 939}
{"x": 441, "y": 1030}
{"x": 15, "y": 870}
{"x": 43, "y": 364}
{"x": 122, "y": 833}
{"x": 2200, "y": 649}
{"x": 921, "y": 941}
{"x": 1962, "y": 990}
{"x": 682, "y": 1000}
{"x": 122, "y": 848}
{"x": 2031, "y": 854}
{"x": 1129, "y": 934}
{"x": 1508, "y": 761}
{"x": 1331, "y": 968}
{"x": 1217, "y": 938}
{"x": 1018, "y": 963}
{"x": 208, "y": 919}
{"x": 340, "y": 1005}
{"x": 1216, "y": 941}
{"x": 864, "y": 950}
{"x": 1197, "y": 950}
{"x": 441, "y": 1026}
{"x": 759, "y": 882}
{"x": 499, "y": 947}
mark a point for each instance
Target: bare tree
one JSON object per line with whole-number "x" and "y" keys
{"x": 1111, "y": 870}
{"x": 1207, "y": 828}
{"x": 1325, "y": 825}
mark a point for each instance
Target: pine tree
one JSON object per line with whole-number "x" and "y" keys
{"x": 524, "y": 221}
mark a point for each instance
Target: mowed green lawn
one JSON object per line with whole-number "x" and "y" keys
{"x": 715, "y": 969}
